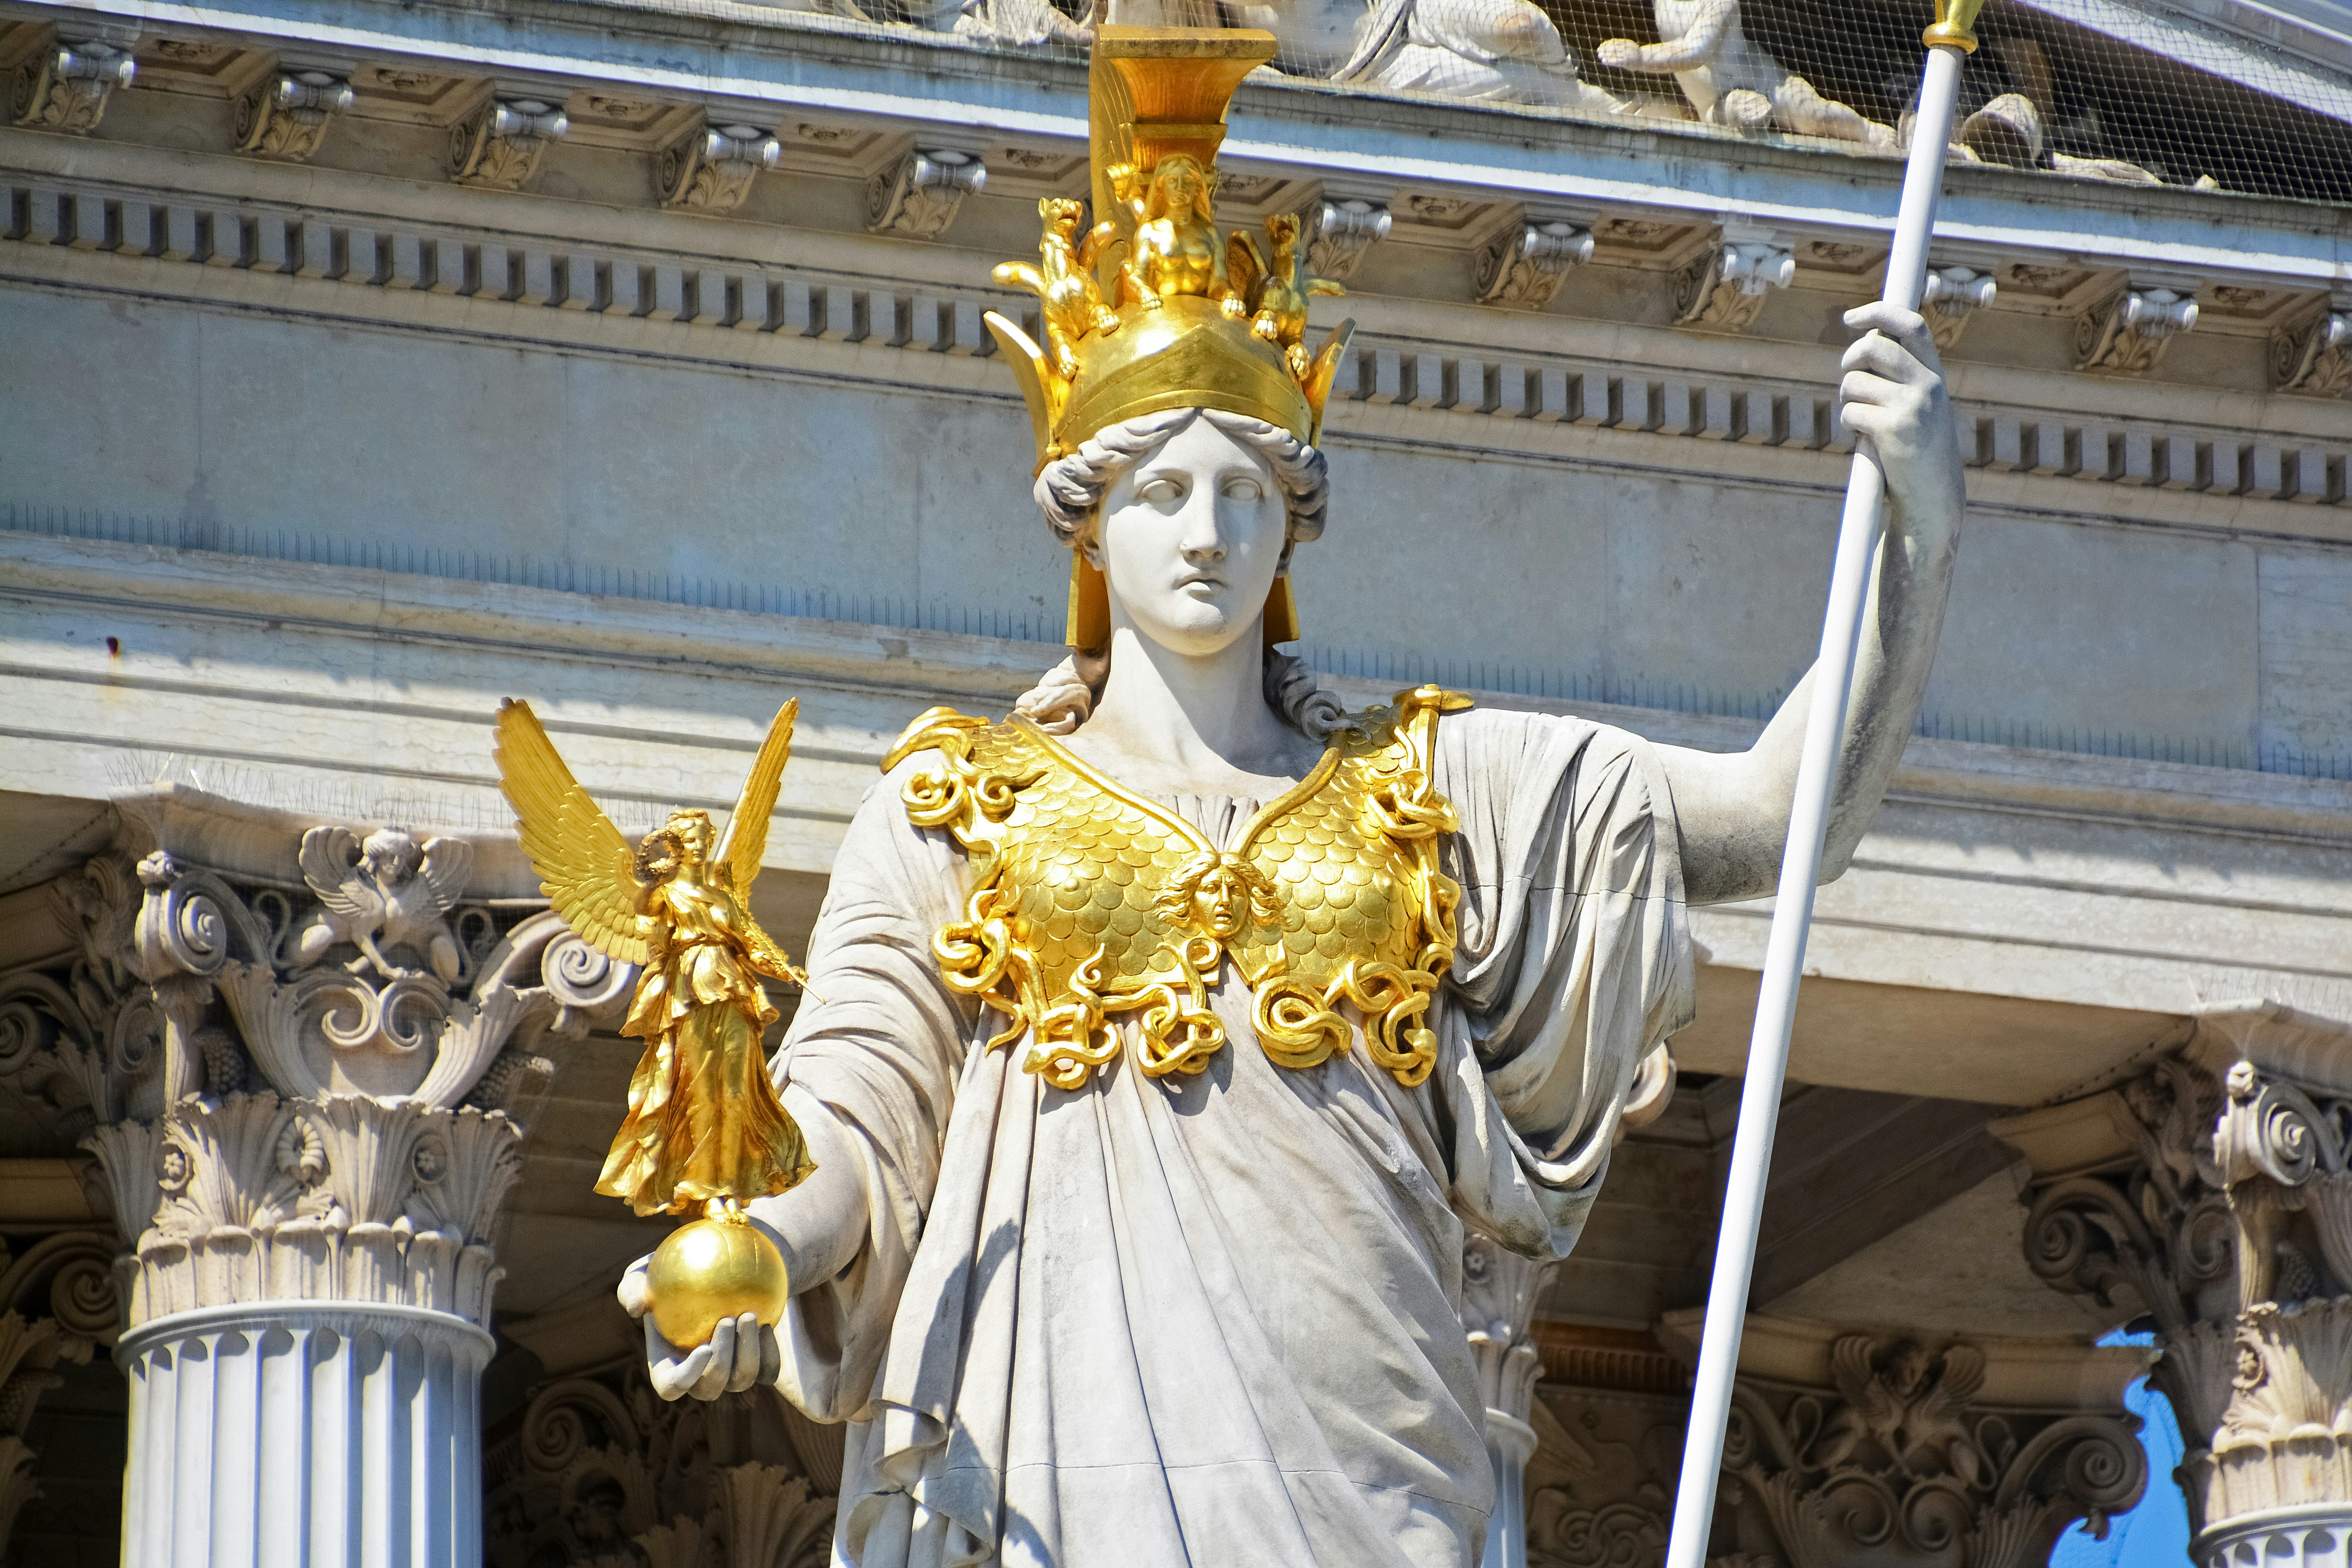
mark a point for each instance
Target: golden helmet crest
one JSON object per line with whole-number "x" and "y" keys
{"x": 1152, "y": 309}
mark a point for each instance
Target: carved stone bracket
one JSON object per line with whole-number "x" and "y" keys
{"x": 919, "y": 196}
{"x": 1344, "y": 230}
{"x": 65, "y": 86}
{"x": 284, "y": 117}
{"x": 1952, "y": 295}
{"x": 499, "y": 146}
{"x": 1525, "y": 269}
{"x": 2315, "y": 358}
{"x": 2128, "y": 334}
{"x": 1724, "y": 290}
{"x": 711, "y": 171}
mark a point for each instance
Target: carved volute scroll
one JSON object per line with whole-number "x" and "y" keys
{"x": 2212, "y": 1193}
{"x": 1856, "y": 1446}
{"x": 299, "y": 1091}
{"x": 601, "y": 1471}
{"x": 57, "y": 1306}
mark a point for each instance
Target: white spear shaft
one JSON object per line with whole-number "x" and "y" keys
{"x": 1793, "y": 908}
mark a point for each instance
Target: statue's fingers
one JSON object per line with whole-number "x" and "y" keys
{"x": 633, "y": 1292}
{"x": 718, "y": 1362}
{"x": 1907, "y": 328}
{"x": 745, "y": 1367}
{"x": 772, "y": 1356}
{"x": 677, "y": 1376}
{"x": 1876, "y": 351}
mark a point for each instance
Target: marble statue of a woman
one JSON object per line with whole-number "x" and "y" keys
{"x": 1174, "y": 1030}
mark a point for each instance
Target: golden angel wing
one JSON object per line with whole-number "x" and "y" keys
{"x": 586, "y": 868}
{"x": 1244, "y": 267}
{"x": 745, "y": 839}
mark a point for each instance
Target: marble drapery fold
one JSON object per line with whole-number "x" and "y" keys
{"x": 1217, "y": 1318}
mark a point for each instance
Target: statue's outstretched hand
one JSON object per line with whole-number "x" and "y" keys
{"x": 1893, "y": 395}
{"x": 742, "y": 1351}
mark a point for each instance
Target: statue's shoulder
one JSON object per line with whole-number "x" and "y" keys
{"x": 958, "y": 737}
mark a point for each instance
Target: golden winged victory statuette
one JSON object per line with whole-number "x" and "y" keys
{"x": 704, "y": 1126}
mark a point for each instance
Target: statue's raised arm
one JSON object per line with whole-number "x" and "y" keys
{"x": 1733, "y": 807}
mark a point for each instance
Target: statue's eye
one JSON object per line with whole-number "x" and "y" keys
{"x": 1160, "y": 491}
{"x": 1245, "y": 488}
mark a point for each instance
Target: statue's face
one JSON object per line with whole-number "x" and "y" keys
{"x": 693, "y": 830}
{"x": 1190, "y": 540}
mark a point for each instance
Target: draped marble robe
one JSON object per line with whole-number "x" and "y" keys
{"x": 1216, "y": 1319}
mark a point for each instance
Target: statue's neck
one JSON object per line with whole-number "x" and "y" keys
{"x": 1201, "y": 716}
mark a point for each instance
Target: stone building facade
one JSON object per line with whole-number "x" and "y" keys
{"x": 373, "y": 361}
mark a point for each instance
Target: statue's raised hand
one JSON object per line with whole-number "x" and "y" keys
{"x": 1893, "y": 395}
{"x": 742, "y": 1351}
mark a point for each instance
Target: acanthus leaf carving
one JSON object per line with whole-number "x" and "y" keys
{"x": 65, "y": 87}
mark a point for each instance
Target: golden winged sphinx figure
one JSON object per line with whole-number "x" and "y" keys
{"x": 704, "y": 1125}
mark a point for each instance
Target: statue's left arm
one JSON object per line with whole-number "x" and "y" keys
{"x": 1732, "y": 808}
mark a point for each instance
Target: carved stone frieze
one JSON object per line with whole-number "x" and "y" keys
{"x": 1723, "y": 290}
{"x": 1950, "y": 296}
{"x": 917, "y": 197}
{"x": 712, "y": 169}
{"x": 1344, "y": 230}
{"x": 497, "y": 147}
{"x": 2315, "y": 358}
{"x": 65, "y": 86}
{"x": 284, "y": 117}
{"x": 602, "y": 1472}
{"x": 1525, "y": 268}
{"x": 2128, "y": 334}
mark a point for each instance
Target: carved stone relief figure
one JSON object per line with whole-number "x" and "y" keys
{"x": 1731, "y": 82}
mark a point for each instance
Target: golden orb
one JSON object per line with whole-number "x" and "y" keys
{"x": 713, "y": 1269}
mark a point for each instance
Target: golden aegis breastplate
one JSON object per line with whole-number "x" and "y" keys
{"x": 1090, "y": 902}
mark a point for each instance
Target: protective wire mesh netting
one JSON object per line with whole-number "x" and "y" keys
{"x": 814, "y": 602}
{"x": 2202, "y": 93}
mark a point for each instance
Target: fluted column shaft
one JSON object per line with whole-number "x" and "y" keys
{"x": 292, "y": 1434}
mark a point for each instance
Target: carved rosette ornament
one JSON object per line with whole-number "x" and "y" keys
{"x": 284, "y": 117}
{"x": 2214, "y": 1193}
{"x": 65, "y": 87}
{"x": 1524, "y": 271}
{"x": 300, "y": 1105}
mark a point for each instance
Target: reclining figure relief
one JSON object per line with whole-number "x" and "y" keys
{"x": 1731, "y": 82}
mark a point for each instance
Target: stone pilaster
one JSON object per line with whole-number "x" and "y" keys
{"x": 301, "y": 1107}
{"x": 1499, "y": 1291}
{"x": 2213, "y": 1191}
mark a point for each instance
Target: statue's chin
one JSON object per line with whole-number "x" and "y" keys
{"x": 1193, "y": 628}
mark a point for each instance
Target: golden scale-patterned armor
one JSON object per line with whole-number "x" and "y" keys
{"x": 1090, "y": 902}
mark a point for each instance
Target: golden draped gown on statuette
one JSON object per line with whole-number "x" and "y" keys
{"x": 704, "y": 1121}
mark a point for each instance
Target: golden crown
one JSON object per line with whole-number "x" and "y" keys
{"x": 1151, "y": 308}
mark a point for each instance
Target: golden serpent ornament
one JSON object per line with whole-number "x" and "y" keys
{"x": 704, "y": 1126}
{"x": 1090, "y": 903}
